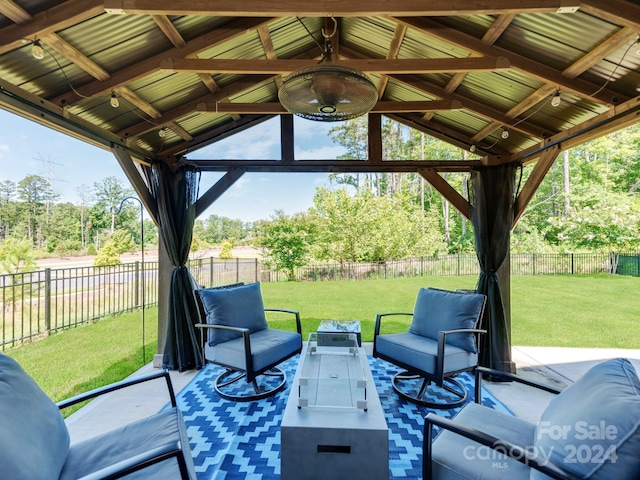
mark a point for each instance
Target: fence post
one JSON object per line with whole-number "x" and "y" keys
{"x": 237, "y": 269}
{"x": 136, "y": 287}
{"x": 47, "y": 299}
{"x": 533, "y": 255}
{"x": 572, "y": 263}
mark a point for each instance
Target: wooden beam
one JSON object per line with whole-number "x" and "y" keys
{"x": 277, "y": 108}
{"x": 469, "y": 104}
{"x": 217, "y": 190}
{"x": 374, "y": 137}
{"x": 615, "y": 119}
{"x": 133, "y": 98}
{"x": 610, "y": 45}
{"x": 621, "y": 12}
{"x": 287, "y": 142}
{"x": 170, "y": 31}
{"x": 57, "y": 18}
{"x": 381, "y": 65}
{"x": 338, "y": 8}
{"x": 446, "y": 190}
{"x": 519, "y": 62}
{"x": 75, "y": 56}
{"x": 332, "y": 165}
{"x": 14, "y": 12}
{"x": 533, "y": 182}
{"x": 139, "y": 185}
{"x": 127, "y": 75}
{"x": 186, "y": 108}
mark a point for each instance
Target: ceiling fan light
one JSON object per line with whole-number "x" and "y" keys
{"x": 556, "y": 99}
{"x": 113, "y": 100}
{"x": 37, "y": 51}
{"x": 328, "y": 92}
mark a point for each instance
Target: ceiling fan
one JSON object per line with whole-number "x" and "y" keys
{"x": 326, "y": 91}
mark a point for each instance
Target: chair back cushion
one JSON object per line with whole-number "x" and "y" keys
{"x": 438, "y": 310}
{"x": 34, "y": 441}
{"x": 592, "y": 428}
{"x": 239, "y": 306}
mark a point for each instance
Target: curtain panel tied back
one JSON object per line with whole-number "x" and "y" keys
{"x": 491, "y": 199}
{"x": 176, "y": 193}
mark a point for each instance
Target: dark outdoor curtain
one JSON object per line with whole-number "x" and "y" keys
{"x": 491, "y": 198}
{"x": 176, "y": 193}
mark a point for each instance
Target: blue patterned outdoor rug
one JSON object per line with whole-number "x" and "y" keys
{"x": 241, "y": 440}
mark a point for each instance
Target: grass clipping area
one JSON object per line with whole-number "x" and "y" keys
{"x": 598, "y": 311}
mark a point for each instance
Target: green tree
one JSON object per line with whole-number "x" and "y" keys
{"x": 226, "y": 251}
{"x": 16, "y": 256}
{"x": 37, "y": 194}
{"x": 107, "y": 255}
{"x": 285, "y": 241}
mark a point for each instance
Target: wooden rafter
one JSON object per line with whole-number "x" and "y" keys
{"x": 397, "y": 66}
{"x": 152, "y": 64}
{"x": 531, "y": 67}
{"x": 538, "y": 173}
{"x": 49, "y": 21}
{"x": 339, "y": 8}
{"x": 380, "y": 107}
{"x": 14, "y": 12}
{"x": 446, "y": 190}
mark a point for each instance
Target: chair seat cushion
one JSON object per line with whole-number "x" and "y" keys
{"x": 268, "y": 347}
{"x": 238, "y": 306}
{"x": 456, "y": 457}
{"x": 592, "y": 429}
{"x": 436, "y": 310}
{"x": 135, "y": 438}
{"x": 420, "y": 353}
{"x": 34, "y": 441}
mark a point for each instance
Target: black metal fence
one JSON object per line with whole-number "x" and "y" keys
{"x": 36, "y": 304}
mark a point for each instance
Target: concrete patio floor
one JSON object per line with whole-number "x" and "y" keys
{"x": 555, "y": 366}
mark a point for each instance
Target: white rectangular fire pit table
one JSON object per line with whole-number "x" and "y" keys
{"x": 333, "y": 424}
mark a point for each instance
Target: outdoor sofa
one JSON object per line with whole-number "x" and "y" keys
{"x": 35, "y": 442}
{"x": 590, "y": 430}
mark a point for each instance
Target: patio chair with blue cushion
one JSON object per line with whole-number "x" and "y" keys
{"x": 35, "y": 443}
{"x": 441, "y": 342}
{"x": 589, "y": 431}
{"x": 240, "y": 340}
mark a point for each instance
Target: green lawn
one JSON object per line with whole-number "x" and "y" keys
{"x": 565, "y": 311}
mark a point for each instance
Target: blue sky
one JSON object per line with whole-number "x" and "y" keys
{"x": 27, "y": 148}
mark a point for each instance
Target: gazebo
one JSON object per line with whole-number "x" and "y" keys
{"x": 512, "y": 83}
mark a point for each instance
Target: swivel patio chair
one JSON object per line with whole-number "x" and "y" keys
{"x": 441, "y": 342}
{"x": 236, "y": 336}
{"x": 590, "y": 430}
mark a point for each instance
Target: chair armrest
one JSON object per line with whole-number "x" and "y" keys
{"x": 381, "y": 315}
{"x": 119, "y": 385}
{"x": 141, "y": 461}
{"x": 516, "y": 452}
{"x": 292, "y": 312}
{"x": 512, "y": 377}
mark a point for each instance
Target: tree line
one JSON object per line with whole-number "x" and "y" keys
{"x": 587, "y": 202}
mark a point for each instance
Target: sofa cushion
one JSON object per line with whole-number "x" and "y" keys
{"x": 438, "y": 310}
{"x": 34, "y": 441}
{"x": 456, "y": 457}
{"x": 239, "y": 306}
{"x": 125, "y": 442}
{"x": 592, "y": 429}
